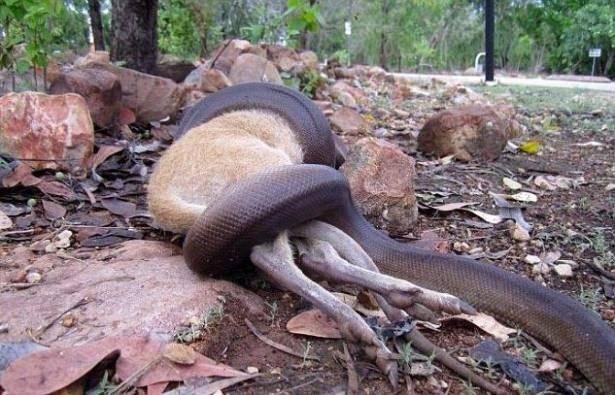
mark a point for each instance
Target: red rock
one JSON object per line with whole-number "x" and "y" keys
{"x": 381, "y": 179}
{"x": 206, "y": 79}
{"x": 56, "y": 130}
{"x": 225, "y": 55}
{"x": 252, "y": 68}
{"x": 468, "y": 132}
{"x": 309, "y": 59}
{"x": 349, "y": 121}
{"x": 92, "y": 58}
{"x": 151, "y": 98}
{"x": 100, "y": 88}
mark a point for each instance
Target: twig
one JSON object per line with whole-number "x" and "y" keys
{"x": 600, "y": 270}
{"x": 43, "y": 329}
{"x": 353, "y": 377}
{"x": 276, "y": 345}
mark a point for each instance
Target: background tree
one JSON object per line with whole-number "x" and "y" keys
{"x": 133, "y": 33}
{"x": 96, "y": 24}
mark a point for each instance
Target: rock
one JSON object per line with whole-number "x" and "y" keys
{"x": 348, "y": 121}
{"x": 399, "y": 113}
{"x": 279, "y": 54}
{"x": 381, "y": 179}
{"x": 92, "y": 58}
{"x": 563, "y": 270}
{"x": 468, "y": 132}
{"x": 532, "y": 259}
{"x": 33, "y": 277}
{"x": 309, "y": 59}
{"x": 173, "y": 68}
{"x": 101, "y": 90}
{"x": 191, "y": 97}
{"x": 225, "y": 55}
{"x": 207, "y": 80}
{"x": 344, "y": 72}
{"x": 151, "y": 98}
{"x": 152, "y": 294}
{"x": 56, "y": 130}
{"x": 346, "y": 94}
{"x": 541, "y": 268}
{"x": 253, "y": 68}
{"x": 520, "y": 234}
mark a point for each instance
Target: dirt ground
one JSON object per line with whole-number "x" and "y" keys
{"x": 575, "y": 131}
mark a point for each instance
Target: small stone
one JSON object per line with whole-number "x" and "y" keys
{"x": 610, "y": 187}
{"x": 570, "y": 262}
{"x": 549, "y": 365}
{"x": 252, "y": 369}
{"x": 63, "y": 239}
{"x": 461, "y": 246}
{"x": 608, "y": 314}
{"x": 532, "y": 259}
{"x": 39, "y": 246}
{"x": 520, "y": 234}
{"x": 276, "y": 371}
{"x": 563, "y": 270}
{"x": 50, "y": 248}
{"x": 4, "y": 328}
{"x": 33, "y": 278}
{"x": 541, "y": 268}
{"x": 69, "y": 320}
{"x": 399, "y": 113}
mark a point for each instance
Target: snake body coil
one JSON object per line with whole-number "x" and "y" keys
{"x": 255, "y": 210}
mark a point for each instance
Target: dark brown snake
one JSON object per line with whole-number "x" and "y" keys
{"x": 254, "y": 211}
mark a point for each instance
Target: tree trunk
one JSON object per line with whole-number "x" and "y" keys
{"x": 133, "y": 33}
{"x": 96, "y": 24}
{"x": 610, "y": 58}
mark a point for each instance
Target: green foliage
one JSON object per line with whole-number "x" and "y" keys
{"x": 31, "y": 29}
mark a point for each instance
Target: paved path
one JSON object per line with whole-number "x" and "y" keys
{"x": 468, "y": 79}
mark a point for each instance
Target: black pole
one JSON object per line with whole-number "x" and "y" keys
{"x": 489, "y": 32}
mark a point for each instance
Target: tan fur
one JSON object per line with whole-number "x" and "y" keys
{"x": 195, "y": 169}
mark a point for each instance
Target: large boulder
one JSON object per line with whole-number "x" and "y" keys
{"x": 473, "y": 132}
{"x": 92, "y": 58}
{"x": 173, "y": 68}
{"x": 56, "y": 130}
{"x": 381, "y": 179}
{"x": 142, "y": 287}
{"x": 349, "y": 121}
{"x": 100, "y": 88}
{"x": 253, "y": 68}
{"x": 207, "y": 79}
{"x": 151, "y": 98}
{"x": 309, "y": 59}
{"x": 225, "y": 55}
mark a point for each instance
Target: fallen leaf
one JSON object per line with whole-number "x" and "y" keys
{"x": 530, "y": 146}
{"x": 47, "y": 371}
{"x": 487, "y": 323}
{"x": 12, "y": 210}
{"x": 119, "y": 207}
{"x": 511, "y": 184}
{"x": 56, "y": 188}
{"x": 526, "y": 197}
{"x": 5, "y": 221}
{"x": 179, "y": 353}
{"x": 211, "y": 388}
{"x": 313, "y": 323}
{"x": 549, "y": 365}
{"x": 453, "y": 206}
{"x": 590, "y": 144}
{"x": 492, "y": 219}
{"x": 137, "y": 352}
{"x": 53, "y": 210}
{"x": 104, "y": 152}
{"x": 22, "y": 174}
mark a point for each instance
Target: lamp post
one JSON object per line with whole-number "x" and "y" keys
{"x": 489, "y": 32}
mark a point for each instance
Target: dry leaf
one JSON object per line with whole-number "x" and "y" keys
{"x": 487, "y": 323}
{"x": 22, "y": 174}
{"x": 5, "y": 221}
{"x": 179, "y": 353}
{"x": 53, "y": 210}
{"x": 120, "y": 207}
{"x": 530, "y": 146}
{"x": 104, "y": 152}
{"x": 453, "y": 206}
{"x": 525, "y": 197}
{"x": 492, "y": 219}
{"x": 56, "y": 188}
{"x": 47, "y": 371}
{"x": 313, "y": 323}
{"x": 511, "y": 184}
{"x": 549, "y": 365}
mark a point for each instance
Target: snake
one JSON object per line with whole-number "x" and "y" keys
{"x": 255, "y": 210}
